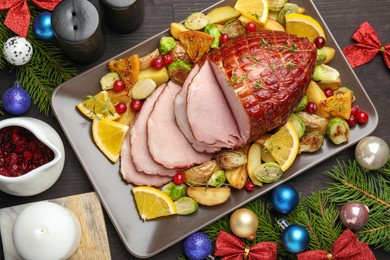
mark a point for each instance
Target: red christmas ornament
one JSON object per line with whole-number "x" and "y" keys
{"x": 346, "y": 247}
{"x": 18, "y": 16}
{"x": 367, "y": 47}
{"x": 232, "y": 248}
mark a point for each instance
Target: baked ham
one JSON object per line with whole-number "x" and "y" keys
{"x": 239, "y": 91}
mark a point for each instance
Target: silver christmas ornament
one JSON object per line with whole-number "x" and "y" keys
{"x": 372, "y": 153}
{"x": 17, "y": 51}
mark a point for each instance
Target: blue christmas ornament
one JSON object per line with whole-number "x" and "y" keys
{"x": 284, "y": 199}
{"x": 198, "y": 246}
{"x": 42, "y": 26}
{"x": 295, "y": 238}
{"x": 16, "y": 100}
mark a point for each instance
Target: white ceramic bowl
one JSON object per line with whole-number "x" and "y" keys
{"x": 43, "y": 177}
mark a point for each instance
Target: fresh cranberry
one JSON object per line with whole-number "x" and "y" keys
{"x": 224, "y": 38}
{"x": 157, "y": 63}
{"x": 120, "y": 108}
{"x": 119, "y": 85}
{"x": 311, "y": 107}
{"x": 178, "y": 179}
{"x": 328, "y": 92}
{"x": 319, "y": 42}
{"x": 167, "y": 59}
{"x": 251, "y": 27}
{"x": 352, "y": 121}
{"x": 136, "y": 105}
{"x": 355, "y": 110}
{"x": 362, "y": 117}
{"x": 249, "y": 186}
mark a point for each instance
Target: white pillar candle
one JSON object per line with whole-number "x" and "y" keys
{"x": 46, "y": 231}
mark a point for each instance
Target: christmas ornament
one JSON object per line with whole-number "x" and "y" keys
{"x": 295, "y": 238}
{"x": 18, "y": 16}
{"x": 197, "y": 246}
{"x": 347, "y": 246}
{"x": 367, "y": 47}
{"x": 16, "y": 100}
{"x": 244, "y": 223}
{"x": 17, "y": 51}
{"x": 231, "y": 247}
{"x": 284, "y": 199}
{"x": 354, "y": 215}
{"x": 372, "y": 153}
{"x": 42, "y": 26}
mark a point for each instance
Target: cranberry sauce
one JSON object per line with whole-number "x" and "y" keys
{"x": 21, "y": 151}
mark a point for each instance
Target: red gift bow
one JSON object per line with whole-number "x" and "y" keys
{"x": 18, "y": 16}
{"x": 346, "y": 247}
{"x": 232, "y": 248}
{"x": 367, "y": 47}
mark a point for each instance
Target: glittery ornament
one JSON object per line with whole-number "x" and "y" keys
{"x": 17, "y": 51}
{"x": 295, "y": 238}
{"x": 16, "y": 100}
{"x": 284, "y": 199}
{"x": 354, "y": 215}
{"x": 197, "y": 246}
{"x": 244, "y": 223}
{"x": 372, "y": 153}
{"x": 42, "y": 26}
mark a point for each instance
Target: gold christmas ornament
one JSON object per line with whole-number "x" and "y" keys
{"x": 244, "y": 223}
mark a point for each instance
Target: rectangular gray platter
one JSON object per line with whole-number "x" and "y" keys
{"x": 144, "y": 239}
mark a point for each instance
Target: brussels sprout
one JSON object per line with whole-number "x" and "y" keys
{"x": 338, "y": 130}
{"x": 288, "y": 8}
{"x": 276, "y": 5}
{"x": 179, "y": 53}
{"x": 186, "y": 206}
{"x": 268, "y": 172}
{"x": 178, "y": 71}
{"x": 321, "y": 57}
{"x": 167, "y": 44}
{"x": 326, "y": 74}
{"x": 196, "y": 21}
{"x": 233, "y": 28}
{"x": 314, "y": 122}
{"x": 174, "y": 191}
{"x": 344, "y": 89}
{"x": 213, "y": 31}
{"x": 217, "y": 179}
{"x": 301, "y": 104}
{"x": 298, "y": 124}
{"x": 311, "y": 142}
{"x": 230, "y": 159}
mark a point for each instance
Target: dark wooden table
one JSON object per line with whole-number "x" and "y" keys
{"x": 343, "y": 17}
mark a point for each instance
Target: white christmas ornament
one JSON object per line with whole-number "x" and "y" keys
{"x": 17, "y": 51}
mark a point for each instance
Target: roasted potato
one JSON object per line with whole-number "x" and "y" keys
{"x": 199, "y": 175}
{"x": 209, "y": 196}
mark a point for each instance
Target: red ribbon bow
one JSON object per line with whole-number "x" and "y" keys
{"x": 346, "y": 247}
{"x": 18, "y": 16}
{"x": 232, "y": 248}
{"x": 367, "y": 47}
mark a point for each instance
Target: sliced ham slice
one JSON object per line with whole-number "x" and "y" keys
{"x": 141, "y": 156}
{"x": 167, "y": 144}
{"x": 208, "y": 113}
{"x": 130, "y": 173}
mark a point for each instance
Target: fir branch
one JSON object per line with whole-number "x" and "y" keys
{"x": 385, "y": 170}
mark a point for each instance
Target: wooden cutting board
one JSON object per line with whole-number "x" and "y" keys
{"x": 87, "y": 207}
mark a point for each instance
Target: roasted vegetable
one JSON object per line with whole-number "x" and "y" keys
{"x": 143, "y": 88}
{"x": 176, "y": 28}
{"x": 329, "y": 53}
{"x": 237, "y": 177}
{"x": 209, "y": 196}
{"x": 254, "y": 161}
{"x": 199, "y": 175}
{"x": 276, "y": 5}
{"x": 338, "y": 130}
{"x": 289, "y": 8}
{"x": 299, "y": 125}
{"x": 343, "y": 90}
{"x": 179, "y": 53}
{"x": 338, "y": 105}
{"x": 321, "y": 57}
{"x": 221, "y": 15}
{"x": 213, "y": 31}
{"x": 311, "y": 142}
{"x": 166, "y": 44}
{"x": 316, "y": 95}
{"x": 302, "y": 104}
{"x": 107, "y": 81}
{"x": 217, "y": 179}
{"x": 186, "y": 206}
{"x": 314, "y": 122}
{"x": 196, "y": 21}
{"x": 326, "y": 76}
{"x": 147, "y": 59}
{"x": 158, "y": 76}
{"x": 128, "y": 69}
{"x": 196, "y": 43}
{"x": 268, "y": 172}
{"x": 178, "y": 71}
{"x": 174, "y": 191}
{"x": 229, "y": 158}
{"x": 233, "y": 28}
